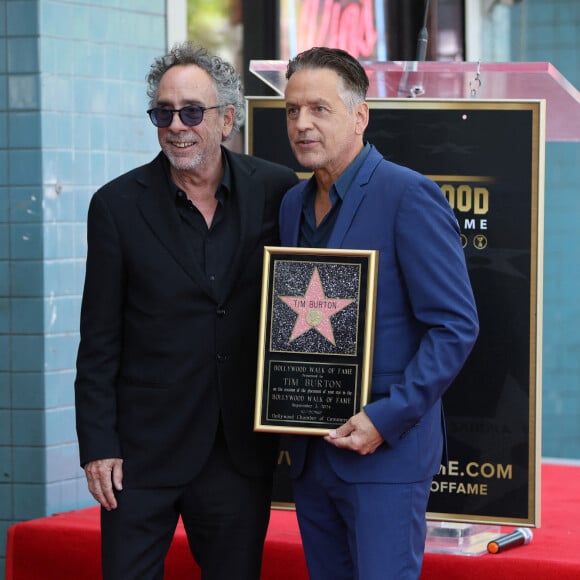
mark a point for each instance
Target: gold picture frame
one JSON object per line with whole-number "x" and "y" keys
{"x": 316, "y": 338}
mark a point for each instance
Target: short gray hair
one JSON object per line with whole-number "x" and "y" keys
{"x": 354, "y": 82}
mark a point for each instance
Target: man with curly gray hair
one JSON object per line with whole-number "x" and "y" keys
{"x": 166, "y": 367}
{"x": 226, "y": 80}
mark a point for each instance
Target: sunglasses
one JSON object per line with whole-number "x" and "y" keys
{"x": 191, "y": 115}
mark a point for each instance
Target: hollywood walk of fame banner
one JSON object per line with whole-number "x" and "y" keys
{"x": 316, "y": 338}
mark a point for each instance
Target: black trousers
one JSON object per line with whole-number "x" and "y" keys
{"x": 224, "y": 514}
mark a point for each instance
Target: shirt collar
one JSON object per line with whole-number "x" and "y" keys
{"x": 344, "y": 182}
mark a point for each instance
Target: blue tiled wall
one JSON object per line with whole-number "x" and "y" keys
{"x": 550, "y": 31}
{"x": 72, "y": 116}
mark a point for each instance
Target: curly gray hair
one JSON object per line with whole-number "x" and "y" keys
{"x": 227, "y": 82}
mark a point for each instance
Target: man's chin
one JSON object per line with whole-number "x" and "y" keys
{"x": 184, "y": 163}
{"x": 308, "y": 161}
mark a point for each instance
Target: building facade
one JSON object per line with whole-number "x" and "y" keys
{"x": 72, "y": 116}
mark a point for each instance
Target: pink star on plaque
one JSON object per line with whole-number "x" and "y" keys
{"x": 314, "y": 309}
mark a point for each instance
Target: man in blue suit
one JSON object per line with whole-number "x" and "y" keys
{"x": 361, "y": 492}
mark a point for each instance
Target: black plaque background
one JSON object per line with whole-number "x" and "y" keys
{"x": 492, "y": 409}
{"x": 289, "y": 274}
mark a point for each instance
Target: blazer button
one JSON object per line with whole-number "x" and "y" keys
{"x": 221, "y": 312}
{"x": 221, "y": 357}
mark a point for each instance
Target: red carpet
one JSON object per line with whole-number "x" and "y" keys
{"x": 66, "y": 546}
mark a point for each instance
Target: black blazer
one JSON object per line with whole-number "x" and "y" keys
{"x": 160, "y": 359}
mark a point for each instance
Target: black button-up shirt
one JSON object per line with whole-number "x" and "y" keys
{"x": 213, "y": 247}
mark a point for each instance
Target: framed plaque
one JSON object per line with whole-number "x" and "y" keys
{"x": 316, "y": 338}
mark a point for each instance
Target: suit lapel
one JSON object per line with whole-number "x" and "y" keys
{"x": 346, "y": 215}
{"x": 352, "y": 200}
{"x": 251, "y": 198}
{"x": 290, "y": 223}
{"x": 158, "y": 209}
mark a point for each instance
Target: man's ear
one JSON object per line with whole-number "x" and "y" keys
{"x": 228, "y": 119}
{"x": 362, "y": 117}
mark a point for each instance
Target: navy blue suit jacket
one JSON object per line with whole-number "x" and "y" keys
{"x": 426, "y": 318}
